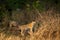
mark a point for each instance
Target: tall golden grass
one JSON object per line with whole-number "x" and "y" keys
{"x": 49, "y": 29}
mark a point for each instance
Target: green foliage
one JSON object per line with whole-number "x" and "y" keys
{"x": 17, "y": 3}
{"x": 39, "y": 4}
{"x": 27, "y": 4}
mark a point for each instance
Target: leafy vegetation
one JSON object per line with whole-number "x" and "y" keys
{"x": 41, "y": 5}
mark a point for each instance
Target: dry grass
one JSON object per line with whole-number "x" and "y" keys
{"x": 49, "y": 29}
